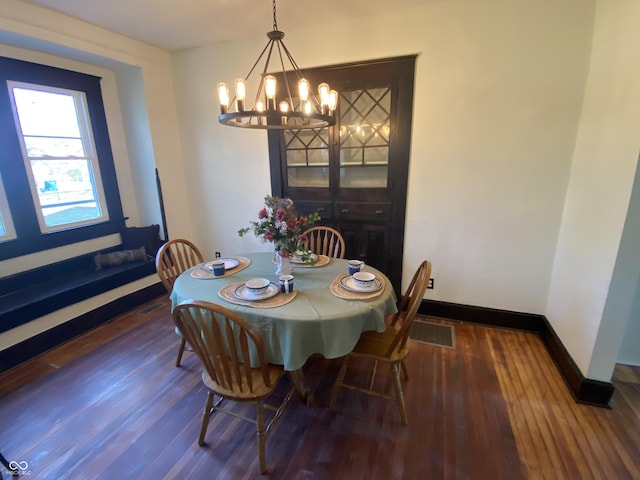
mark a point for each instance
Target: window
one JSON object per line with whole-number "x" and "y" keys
{"x": 57, "y": 148}
{"x": 56, "y": 167}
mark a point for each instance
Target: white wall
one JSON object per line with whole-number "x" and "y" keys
{"x": 603, "y": 170}
{"x": 33, "y": 34}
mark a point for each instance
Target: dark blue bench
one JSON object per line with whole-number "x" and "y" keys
{"x": 28, "y": 295}
{"x": 31, "y": 294}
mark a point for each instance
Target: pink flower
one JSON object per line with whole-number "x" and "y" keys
{"x": 279, "y": 223}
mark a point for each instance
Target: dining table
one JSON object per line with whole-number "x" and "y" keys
{"x": 324, "y": 314}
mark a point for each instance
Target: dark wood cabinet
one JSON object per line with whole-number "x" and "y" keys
{"x": 354, "y": 174}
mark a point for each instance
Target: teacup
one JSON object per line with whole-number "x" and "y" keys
{"x": 355, "y": 266}
{"x": 257, "y": 286}
{"x": 286, "y": 283}
{"x": 217, "y": 267}
{"x": 364, "y": 279}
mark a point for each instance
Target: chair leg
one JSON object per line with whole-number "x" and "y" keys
{"x": 372, "y": 376}
{"x": 405, "y": 370}
{"x": 183, "y": 343}
{"x": 5, "y": 462}
{"x": 261, "y": 436}
{"x": 399, "y": 395}
{"x": 339, "y": 380}
{"x": 205, "y": 418}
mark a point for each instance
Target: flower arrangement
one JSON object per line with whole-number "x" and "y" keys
{"x": 279, "y": 223}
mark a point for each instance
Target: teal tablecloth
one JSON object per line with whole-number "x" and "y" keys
{"x": 314, "y": 322}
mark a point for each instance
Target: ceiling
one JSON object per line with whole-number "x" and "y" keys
{"x": 178, "y": 24}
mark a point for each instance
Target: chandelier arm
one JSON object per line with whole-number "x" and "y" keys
{"x": 298, "y": 72}
{"x": 258, "y": 60}
{"x": 266, "y": 64}
{"x": 233, "y": 99}
{"x": 264, "y": 70}
{"x": 284, "y": 73}
{"x": 291, "y": 59}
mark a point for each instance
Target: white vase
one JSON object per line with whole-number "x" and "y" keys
{"x": 283, "y": 265}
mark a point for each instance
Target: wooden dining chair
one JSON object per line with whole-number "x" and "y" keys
{"x": 389, "y": 346}
{"x": 395, "y": 320}
{"x": 173, "y": 258}
{"x": 223, "y": 341}
{"x": 324, "y": 240}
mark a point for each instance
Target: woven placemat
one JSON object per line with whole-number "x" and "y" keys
{"x": 228, "y": 293}
{"x": 339, "y": 291}
{"x": 321, "y": 262}
{"x": 204, "y": 274}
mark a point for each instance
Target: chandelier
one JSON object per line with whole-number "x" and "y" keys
{"x": 302, "y": 112}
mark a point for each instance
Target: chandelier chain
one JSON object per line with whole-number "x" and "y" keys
{"x": 275, "y": 22}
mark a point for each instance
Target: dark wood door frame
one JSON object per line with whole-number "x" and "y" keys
{"x": 398, "y": 73}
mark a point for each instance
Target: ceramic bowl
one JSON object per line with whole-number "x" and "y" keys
{"x": 257, "y": 286}
{"x": 364, "y": 279}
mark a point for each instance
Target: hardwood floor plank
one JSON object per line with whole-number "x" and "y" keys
{"x": 530, "y": 367}
{"x": 626, "y": 374}
{"x": 111, "y": 404}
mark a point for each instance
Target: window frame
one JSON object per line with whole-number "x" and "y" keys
{"x": 5, "y": 216}
{"x": 29, "y": 237}
{"x": 86, "y": 137}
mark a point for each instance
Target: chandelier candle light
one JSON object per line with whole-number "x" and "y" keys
{"x": 308, "y": 111}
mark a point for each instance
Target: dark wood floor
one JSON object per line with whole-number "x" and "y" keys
{"x": 112, "y": 405}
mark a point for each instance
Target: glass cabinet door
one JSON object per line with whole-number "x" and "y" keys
{"x": 364, "y": 137}
{"x": 307, "y": 157}
{"x": 364, "y": 127}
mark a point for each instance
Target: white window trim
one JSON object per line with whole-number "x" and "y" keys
{"x": 86, "y": 134}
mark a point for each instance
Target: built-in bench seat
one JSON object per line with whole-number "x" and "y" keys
{"x": 31, "y": 294}
{"x": 28, "y": 295}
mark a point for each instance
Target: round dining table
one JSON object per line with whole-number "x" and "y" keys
{"x": 316, "y": 318}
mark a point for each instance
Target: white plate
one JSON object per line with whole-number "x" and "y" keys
{"x": 349, "y": 283}
{"x": 229, "y": 263}
{"x": 243, "y": 293}
{"x": 298, "y": 260}
{"x": 202, "y": 273}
